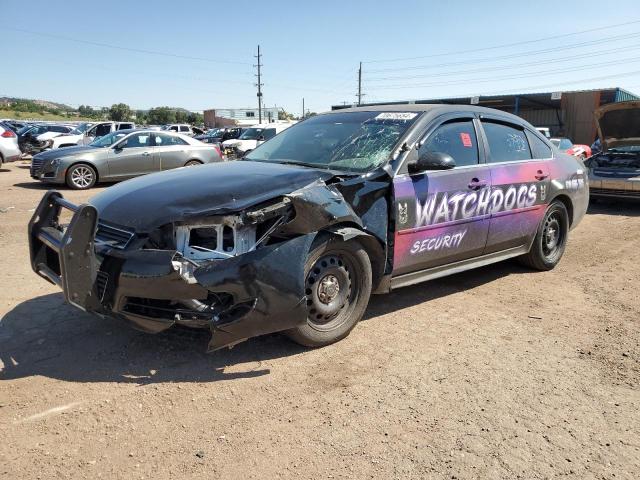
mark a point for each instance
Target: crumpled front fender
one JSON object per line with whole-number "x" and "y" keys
{"x": 269, "y": 281}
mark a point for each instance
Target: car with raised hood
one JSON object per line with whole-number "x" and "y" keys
{"x": 614, "y": 172}
{"x": 577, "y": 150}
{"x": 296, "y": 236}
{"x": 120, "y": 155}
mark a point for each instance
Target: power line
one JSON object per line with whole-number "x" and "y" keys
{"x": 119, "y": 47}
{"x": 508, "y": 77}
{"x": 505, "y": 45}
{"x": 512, "y": 55}
{"x": 508, "y": 67}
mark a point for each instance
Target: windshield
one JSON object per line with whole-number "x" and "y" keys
{"x": 215, "y": 132}
{"x": 25, "y": 129}
{"x": 353, "y": 141}
{"x": 108, "y": 139}
{"x": 251, "y": 134}
{"x": 80, "y": 129}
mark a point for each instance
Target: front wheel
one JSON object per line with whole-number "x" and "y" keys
{"x": 81, "y": 177}
{"x": 551, "y": 239}
{"x": 338, "y": 282}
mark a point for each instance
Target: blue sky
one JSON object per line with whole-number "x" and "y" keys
{"x": 410, "y": 49}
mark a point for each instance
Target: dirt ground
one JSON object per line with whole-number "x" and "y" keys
{"x": 496, "y": 373}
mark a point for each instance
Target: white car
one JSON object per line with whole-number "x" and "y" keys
{"x": 184, "y": 129}
{"x": 9, "y": 150}
{"x": 55, "y": 132}
{"x": 85, "y": 133}
{"x": 252, "y": 137}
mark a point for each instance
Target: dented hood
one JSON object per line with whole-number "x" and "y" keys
{"x": 618, "y": 124}
{"x": 150, "y": 201}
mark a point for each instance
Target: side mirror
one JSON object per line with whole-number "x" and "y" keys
{"x": 432, "y": 161}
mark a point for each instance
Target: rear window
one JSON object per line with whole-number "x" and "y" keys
{"x": 506, "y": 143}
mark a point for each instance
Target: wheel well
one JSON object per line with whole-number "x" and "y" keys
{"x": 194, "y": 160}
{"x": 371, "y": 245}
{"x": 93, "y": 167}
{"x": 568, "y": 204}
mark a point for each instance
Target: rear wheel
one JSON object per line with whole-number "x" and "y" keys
{"x": 193, "y": 163}
{"x": 551, "y": 239}
{"x": 81, "y": 176}
{"x": 338, "y": 286}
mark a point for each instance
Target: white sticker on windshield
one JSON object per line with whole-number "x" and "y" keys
{"x": 396, "y": 116}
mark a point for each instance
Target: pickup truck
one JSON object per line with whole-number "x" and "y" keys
{"x": 85, "y": 133}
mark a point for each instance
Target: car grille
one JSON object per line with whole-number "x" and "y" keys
{"x": 112, "y": 236}
{"x": 36, "y": 165}
{"x": 619, "y": 192}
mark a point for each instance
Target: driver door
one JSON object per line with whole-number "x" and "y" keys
{"x": 132, "y": 156}
{"x": 441, "y": 216}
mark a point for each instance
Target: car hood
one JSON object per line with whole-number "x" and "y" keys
{"x": 150, "y": 201}
{"x": 618, "y": 124}
{"x": 63, "y": 152}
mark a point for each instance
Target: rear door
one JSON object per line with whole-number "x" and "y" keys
{"x": 520, "y": 182}
{"x": 441, "y": 216}
{"x": 135, "y": 157}
{"x": 170, "y": 151}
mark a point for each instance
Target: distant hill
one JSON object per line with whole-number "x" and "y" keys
{"x": 6, "y": 101}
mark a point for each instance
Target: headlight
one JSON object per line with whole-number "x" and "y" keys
{"x": 55, "y": 162}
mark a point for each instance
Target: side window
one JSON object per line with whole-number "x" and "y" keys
{"x": 184, "y": 128}
{"x": 103, "y": 129}
{"x": 269, "y": 133}
{"x": 164, "y": 140}
{"x": 125, "y": 126}
{"x": 173, "y": 128}
{"x": 539, "y": 149}
{"x": 506, "y": 143}
{"x": 137, "y": 140}
{"x": 458, "y": 139}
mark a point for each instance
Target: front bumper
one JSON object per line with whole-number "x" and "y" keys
{"x": 252, "y": 294}
{"x": 41, "y": 170}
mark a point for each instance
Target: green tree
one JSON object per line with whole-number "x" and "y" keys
{"x": 141, "y": 116}
{"x": 284, "y": 115}
{"x": 120, "y": 112}
{"x": 161, "y": 116}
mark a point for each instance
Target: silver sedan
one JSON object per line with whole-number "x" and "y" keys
{"x": 120, "y": 155}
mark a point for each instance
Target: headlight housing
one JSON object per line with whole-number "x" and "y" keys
{"x": 55, "y": 162}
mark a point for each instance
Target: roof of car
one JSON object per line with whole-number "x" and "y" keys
{"x": 426, "y": 107}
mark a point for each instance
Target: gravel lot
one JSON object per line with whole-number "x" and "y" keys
{"x": 497, "y": 373}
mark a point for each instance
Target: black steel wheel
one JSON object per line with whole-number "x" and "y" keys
{"x": 337, "y": 286}
{"x": 551, "y": 238}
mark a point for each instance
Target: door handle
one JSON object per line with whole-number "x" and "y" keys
{"x": 145, "y": 154}
{"x": 540, "y": 175}
{"x": 476, "y": 184}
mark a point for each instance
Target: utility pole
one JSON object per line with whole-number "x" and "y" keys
{"x": 259, "y": 85}
{"x": 302, "y": 118}
{"x": 360, "y": 85}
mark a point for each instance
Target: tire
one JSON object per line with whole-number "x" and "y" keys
{"x": 81, "y": 176}
{"x": 338, "y": 283}
{"x": 193, "y": 163}
{"x": 551, "y": 239}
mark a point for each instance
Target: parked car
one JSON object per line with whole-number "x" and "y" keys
{"x": 85, "y": 133}
{"x": 297, "y": 235}
{"x": 118, "y": 156}
{"x": 251, "y": 138}
{"x": 28, "y": 137}
{"x": 615, "y": 171}
{"x": 184, "y": 129}
{"x": 544, "y": 131}
{"x": 9, "y": 149}
{"x": 219, "y": 135}
{"x": 577, "y": 150}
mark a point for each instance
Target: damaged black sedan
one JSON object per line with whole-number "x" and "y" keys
{"x": 297, "y": 235}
